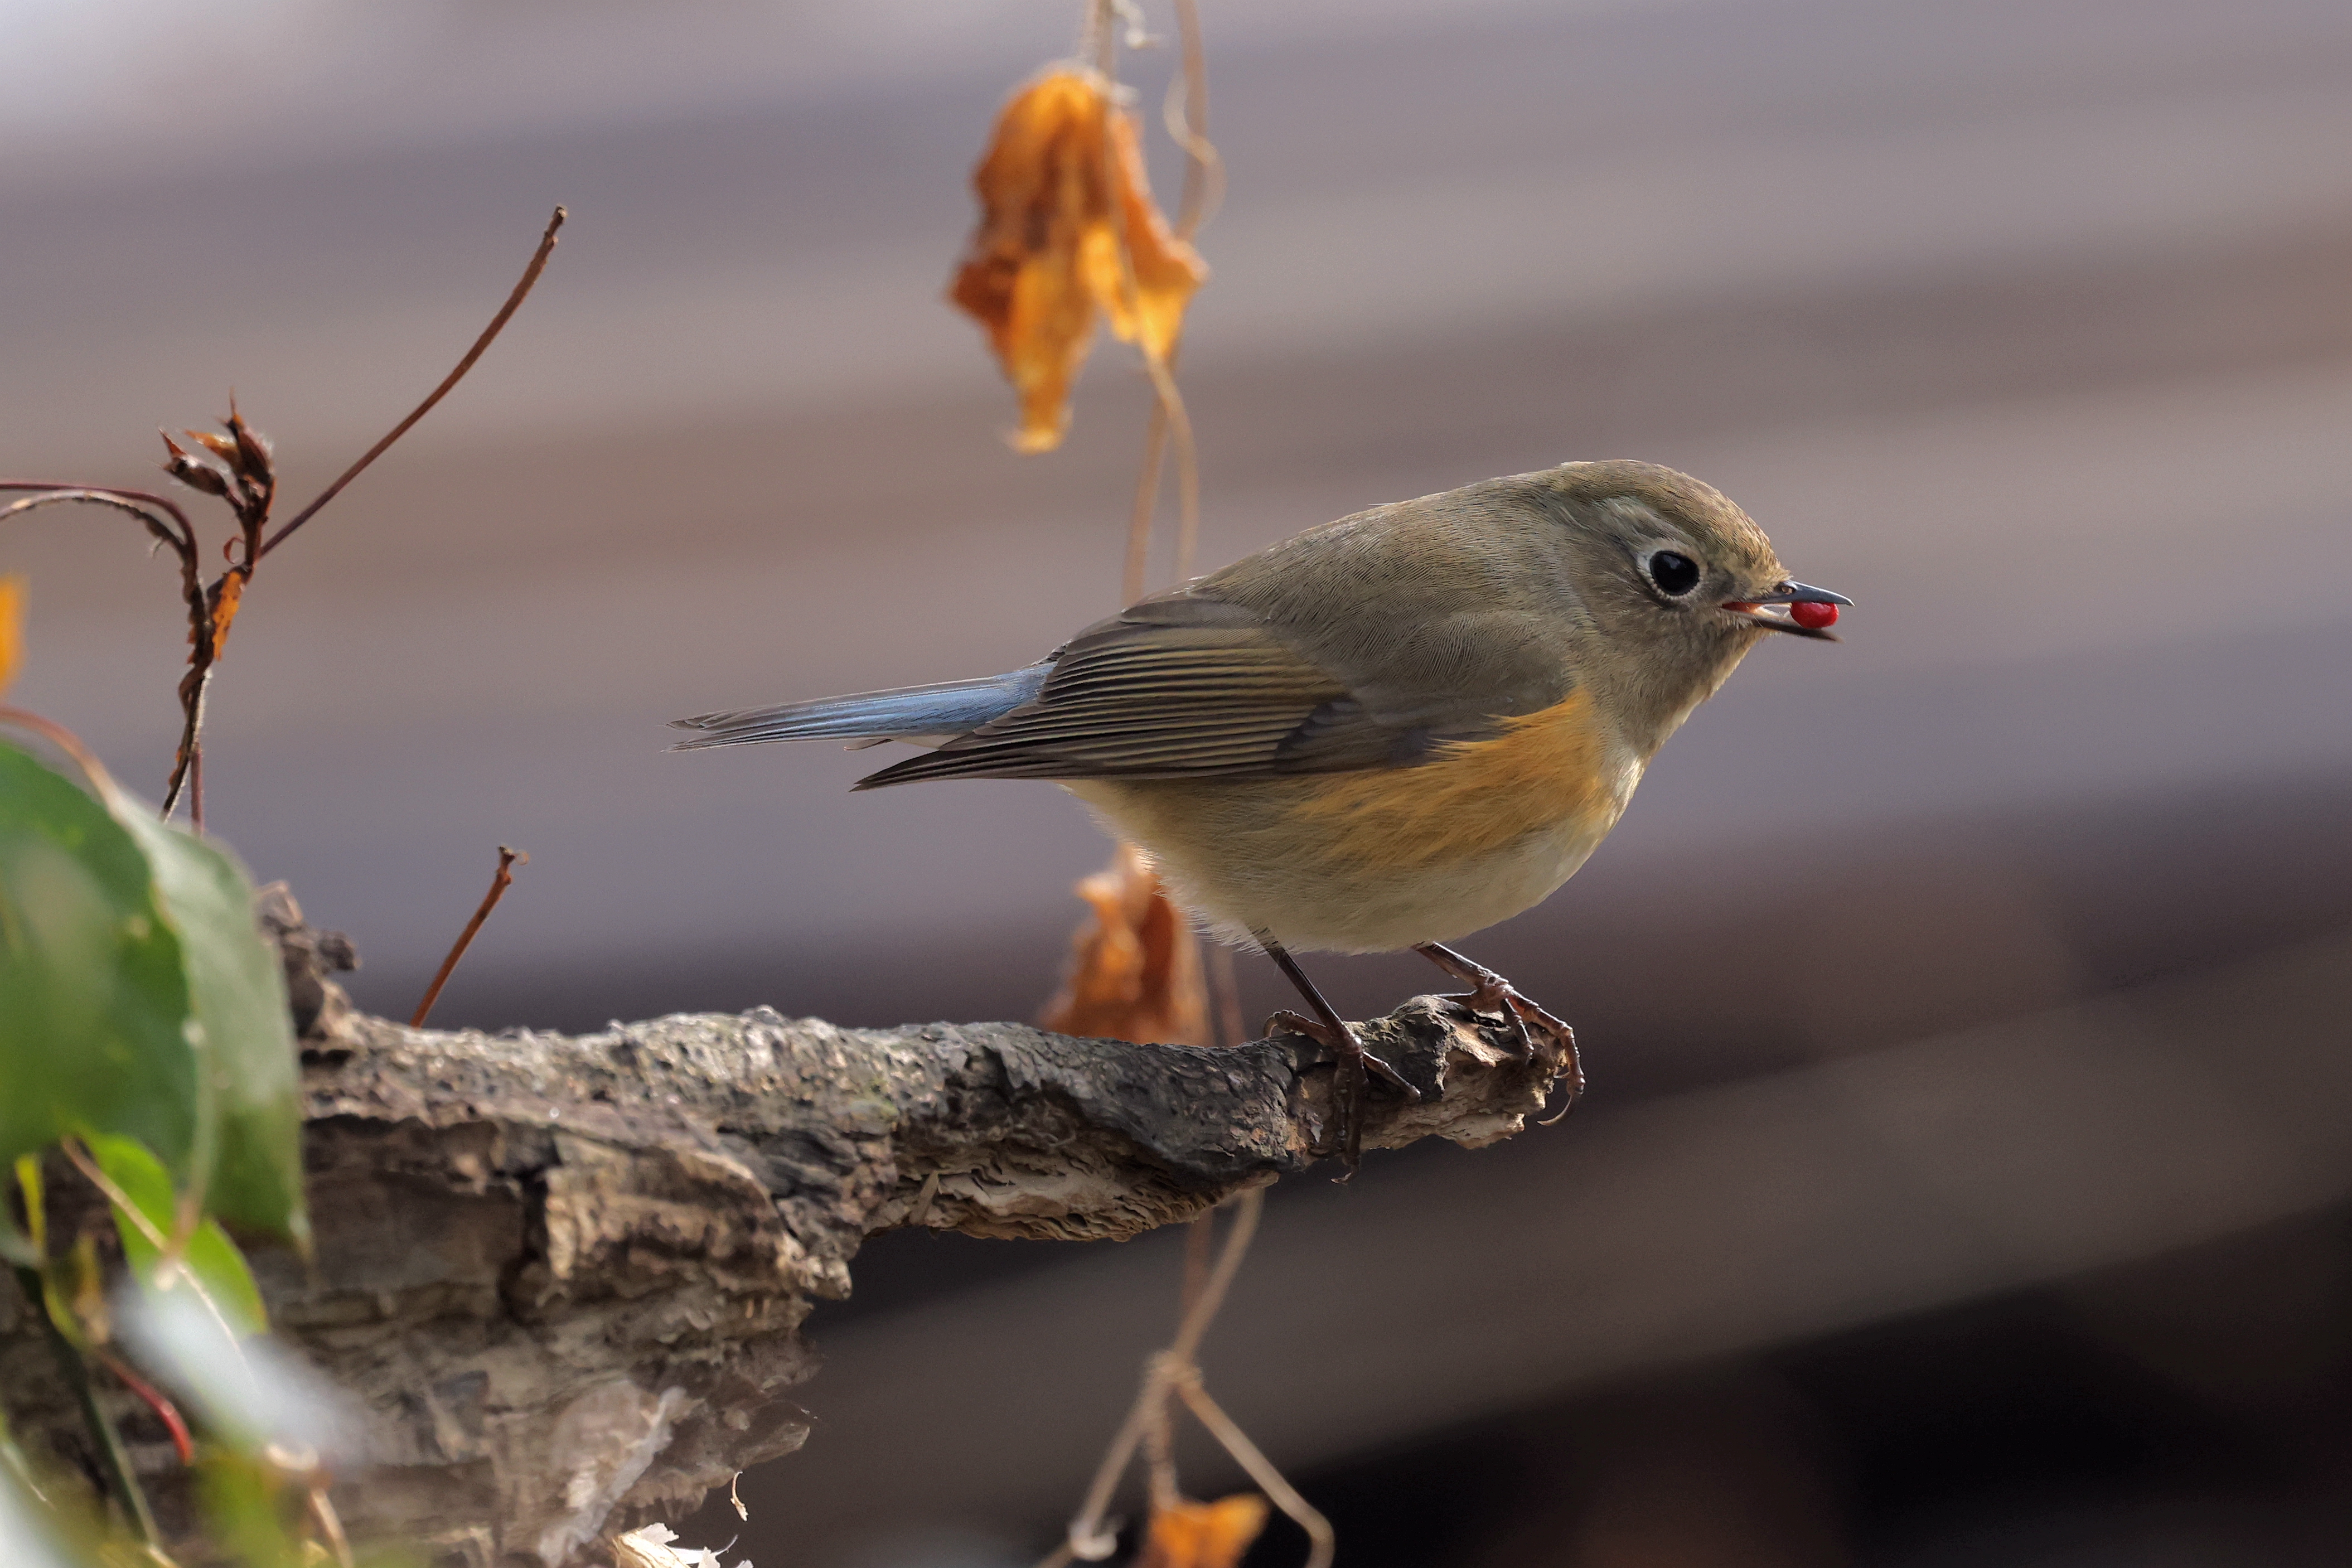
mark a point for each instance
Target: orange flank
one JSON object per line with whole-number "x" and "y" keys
{"x": 1546, "y": 770}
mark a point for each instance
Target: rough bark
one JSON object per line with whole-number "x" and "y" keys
{"x": 565, "y": 1277}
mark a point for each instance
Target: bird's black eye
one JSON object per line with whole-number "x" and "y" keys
{"x": 1674, "y": 574}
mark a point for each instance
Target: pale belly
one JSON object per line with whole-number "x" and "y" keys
{"x": 1317, "y": 869}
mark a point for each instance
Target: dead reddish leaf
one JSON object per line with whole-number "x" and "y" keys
{"x": 1135, "y": 967}
{"x": 1203, "y": 1534}
{"x": 1068, "y": 228}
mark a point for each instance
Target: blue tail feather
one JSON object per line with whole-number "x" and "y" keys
{"x": 907, "y": 712}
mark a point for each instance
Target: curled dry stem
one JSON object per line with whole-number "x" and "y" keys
{"x": 180, "y": 535}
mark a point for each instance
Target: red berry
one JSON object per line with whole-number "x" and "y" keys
{"x": 1811, "y": 615}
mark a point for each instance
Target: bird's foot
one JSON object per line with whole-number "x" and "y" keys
{"x": 1355, "y": 1062}
{"x": 1533, "y": 1028}
{"x": 1342, "y": 1043}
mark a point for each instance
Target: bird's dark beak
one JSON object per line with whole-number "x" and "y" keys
{"x": 1801, "y": 594}
{"x": 1765, "y": 609}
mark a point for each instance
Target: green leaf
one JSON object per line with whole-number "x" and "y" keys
{"x": 93, "y": 990}
{"x": 138, "y": 997}
{"x": 243, "y": 1031}
{"x": 219, "y": 1268}
{"x": 248, "y": 1508}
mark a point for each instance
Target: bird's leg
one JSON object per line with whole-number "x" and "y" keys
{"x": 1328, "y": 1029}
{"x": 1490, "y": 993}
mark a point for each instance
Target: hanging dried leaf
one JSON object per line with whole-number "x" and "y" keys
{"x": 1203, "y": 1534}
{"x": 12, "y": 628}
{"x": 1135, "y": 967}
{"x": 1068, "y": 228}
{"x": 1165, "y": 269}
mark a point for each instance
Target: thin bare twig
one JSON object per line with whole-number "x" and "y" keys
{"x": 1087, "y": 1539}
{"x": 1225, "y": 994}
{"x": 330, "y": 1525}
{"x": 504, "y": 878}
{"x": 1200, "y": 1238}
{"x": 489, "y": 334}
{"x": 1246, "y": 1206}
{"x": 1271, "y": 1481}
{"x": 195, "y": 686}
{"x": 1098, "y": 38}
{"x": 1171, "y": 409}
{"x": 1186, "y": 113}
{"x": 1135, "y": 575}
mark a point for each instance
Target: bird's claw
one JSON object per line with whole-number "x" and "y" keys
{"x": 1354, "y": 1063}
{"x": 1345, "y": 1049}
{"x": 1533, "y": 1029}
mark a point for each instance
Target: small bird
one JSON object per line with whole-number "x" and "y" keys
{"x": 1385, "y": 732}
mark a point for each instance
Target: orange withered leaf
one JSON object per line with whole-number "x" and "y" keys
{"x": 1135, "y": 966}
{"x": 1203, "y": 1534}
{"x": 231, "y": 594}
{"x": 1165, "y": 268}
{"x": 12, "y": 628}
{"x": 1068, "y": 229}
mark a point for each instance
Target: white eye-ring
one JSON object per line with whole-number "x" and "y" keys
{"x": 1671, "y": 571}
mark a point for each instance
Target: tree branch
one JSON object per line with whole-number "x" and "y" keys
{"x": 564, "y": 1276}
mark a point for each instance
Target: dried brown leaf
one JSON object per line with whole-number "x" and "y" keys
{"x": 1067, "y": 228}
{"x": 191, "y": 470}
{"x": 1135, "y": 966}
{"x": 253, "y": 458}
{"x": 1203, "y": 1534}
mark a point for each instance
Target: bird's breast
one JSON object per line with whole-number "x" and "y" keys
{"x": 1559, "y": 771}
{"x": 1381, "y": 859}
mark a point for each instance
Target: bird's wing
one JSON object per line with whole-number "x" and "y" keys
{"x": 1180, "y": 686}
